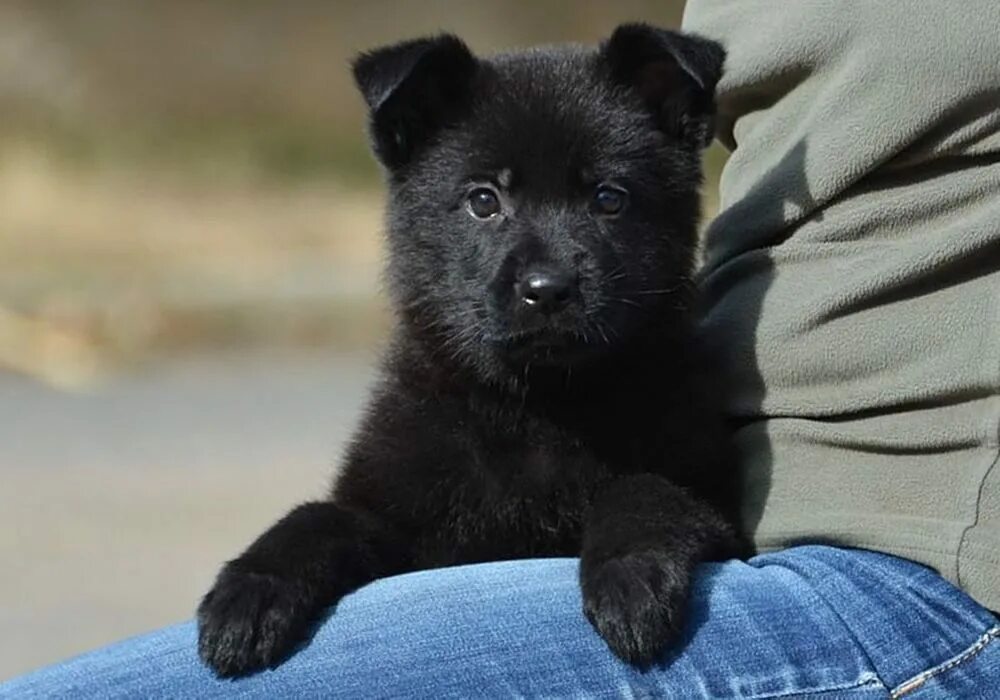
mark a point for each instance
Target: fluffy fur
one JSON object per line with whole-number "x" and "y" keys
{"x": 541, "y": 394}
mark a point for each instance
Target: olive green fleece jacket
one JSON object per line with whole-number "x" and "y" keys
{"x": 853, "y": 274}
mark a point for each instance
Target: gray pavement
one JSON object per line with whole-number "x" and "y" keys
{"x": 118, "y": 505}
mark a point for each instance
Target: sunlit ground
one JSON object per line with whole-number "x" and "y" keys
{"x": 110, "y": 266}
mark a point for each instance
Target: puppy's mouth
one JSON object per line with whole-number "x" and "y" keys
{"x": 546, "y": 346}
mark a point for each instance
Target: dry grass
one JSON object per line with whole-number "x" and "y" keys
{"x": 123, "y": 263}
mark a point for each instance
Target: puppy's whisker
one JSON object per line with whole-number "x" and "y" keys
{"x": 672, "y": 290}
{"x": 615, "y": 274}
{"x": 630, "y": 302}
{"x": 600, "y": 330}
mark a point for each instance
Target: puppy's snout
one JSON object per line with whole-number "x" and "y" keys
{"x": 545, "y": 291}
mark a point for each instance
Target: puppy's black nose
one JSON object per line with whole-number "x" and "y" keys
{"x": 546, "y": 291}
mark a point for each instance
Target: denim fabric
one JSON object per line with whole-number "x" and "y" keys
{"x": 810, "y": 621}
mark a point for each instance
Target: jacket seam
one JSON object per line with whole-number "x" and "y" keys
{"x": 964, "y": 537}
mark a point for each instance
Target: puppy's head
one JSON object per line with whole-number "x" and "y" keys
{"x": 543, "y": 203}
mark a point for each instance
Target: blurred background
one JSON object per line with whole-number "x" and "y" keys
{"x": 189, "y": 299}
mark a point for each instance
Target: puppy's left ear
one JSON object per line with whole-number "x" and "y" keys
{"x": 674, "y": 73}
{"x": 413, "y": 90}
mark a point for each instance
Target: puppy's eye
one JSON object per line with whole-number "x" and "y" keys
{"x": 483, "y": 203}
{"x": 609, "y": 200}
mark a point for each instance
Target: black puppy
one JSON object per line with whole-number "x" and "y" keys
{"x": 541, "y": 394}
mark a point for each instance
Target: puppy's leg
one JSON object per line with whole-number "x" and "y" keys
{"x": 640, "y": 544}
{"x": 265, "y": 601}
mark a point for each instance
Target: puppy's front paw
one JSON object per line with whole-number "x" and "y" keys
{"x": 250, "y": 621}
{"x": 636, "y": 602}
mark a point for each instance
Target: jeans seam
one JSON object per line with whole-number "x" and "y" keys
{"x": 864, "y": 652}
{"x": 866, "y": 679}
{"x": 918, "y": 680}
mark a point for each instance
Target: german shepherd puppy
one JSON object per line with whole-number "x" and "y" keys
{"x": 541, "y": 394}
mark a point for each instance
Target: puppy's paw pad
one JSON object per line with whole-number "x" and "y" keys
{"x": 250, "y": 621}
{"x": 636, "y": 603}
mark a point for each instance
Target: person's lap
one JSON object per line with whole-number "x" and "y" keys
{"x": 809, "y": 620}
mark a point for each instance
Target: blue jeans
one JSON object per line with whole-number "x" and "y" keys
{"x": 806, "y": 622}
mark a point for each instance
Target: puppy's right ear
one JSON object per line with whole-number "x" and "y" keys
{"x": 413, "y": 89}
{"x": 674, "y": 73}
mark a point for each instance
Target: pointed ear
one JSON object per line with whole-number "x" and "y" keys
{"x": 412, "y": 90}
{"x": 674, "y": 73}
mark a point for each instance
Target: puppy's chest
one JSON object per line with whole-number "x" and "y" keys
{"x": 521, "y": 494}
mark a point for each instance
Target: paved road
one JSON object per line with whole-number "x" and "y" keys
{"x": 118, "y": 505}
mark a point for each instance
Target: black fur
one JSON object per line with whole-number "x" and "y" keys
{"x": 541, "y": 394}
